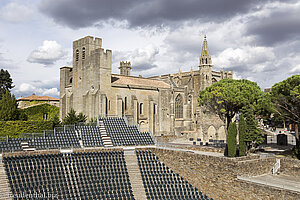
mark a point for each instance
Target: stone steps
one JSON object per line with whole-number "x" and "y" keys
{"x": 105, "y": 138}
{"x": 26, "y": 147}
{"x": 5, "y": 192}
{"x": 135, "y": 176}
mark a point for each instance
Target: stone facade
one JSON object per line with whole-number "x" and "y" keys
{"x": 165, "y": 104}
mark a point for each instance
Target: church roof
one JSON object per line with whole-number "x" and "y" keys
{"x": 38, "y": 98}
{"x": 138, "y": 81}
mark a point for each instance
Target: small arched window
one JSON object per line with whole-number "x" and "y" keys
{"x": 125, "y": 103}
{"x": 206, "y": 61}
{"x": 178, "y": 106}
{"x": 141, "y": 108}
{"x": 83, "y": 53}
{"x": 77, "y": 54}
{"x": 71, "y": 79}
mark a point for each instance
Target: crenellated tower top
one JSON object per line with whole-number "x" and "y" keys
{"x": 125, "y": 67}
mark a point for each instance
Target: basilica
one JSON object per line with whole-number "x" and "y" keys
{"x": 164, "y": 105}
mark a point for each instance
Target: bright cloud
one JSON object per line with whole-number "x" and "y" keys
{"x": 47, "y": 54}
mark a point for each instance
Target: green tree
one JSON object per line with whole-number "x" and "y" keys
{"x": 242, "y": 134}
{"x": 253, "y": 136}
{"x": 231, "y": 139}
{"x": 229, "y": 96}
{"x": 72, "y": 118}
{"x": 286, "y": 98}
{"x": 8, "y": 107}
{"x": 5, "y": 82}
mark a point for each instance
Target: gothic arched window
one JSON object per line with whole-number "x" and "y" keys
{"x": 77, "y": 54}
{"x": 178, "y": 107}
{"x": 83, "y": 53}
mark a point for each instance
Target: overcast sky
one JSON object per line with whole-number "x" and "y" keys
{"x": 258, "y": 39}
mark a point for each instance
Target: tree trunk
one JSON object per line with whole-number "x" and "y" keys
{"x": 297, "y": 135}
{"x": 297, "y": 131}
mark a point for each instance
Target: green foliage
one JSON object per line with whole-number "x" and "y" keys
{"x": 56, "y": 122}
{"x": 5, "y": 82}
{"x": 286, "y": 98}
{"x": 15, "y": 128}
{"x": 37, "y": 112}
{"x": 231, "y": 140}
{"x": 22, "y": 115}
{"x": 242, "y": 135}
{"x": 81, "y": 117}
{"x": 228, "y": 96}
{"x": 264, "y": 106}
{"x": 8, "y": 107}
{"x": 72, "y": 118}
{"x": 253, "y": 135}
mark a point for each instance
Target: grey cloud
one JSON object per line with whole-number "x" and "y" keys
{"x": 78, "y": 13}
{"x": 280, "y": 26}
{"x": 143, "y": 67}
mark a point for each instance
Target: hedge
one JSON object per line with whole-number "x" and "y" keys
{"x": 15, "y": 128}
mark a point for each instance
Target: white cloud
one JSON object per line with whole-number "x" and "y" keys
{"x": 25, "y": 87}
{"x": 141, "y": 58}
{"x": 15, "y": 13}
{"x": 47, "y": 54}
{"x": 51, "y": 92}
{"x": 295, "y": 69}
{"x": 244, "y": 57}
{"x": 42, "y": 88}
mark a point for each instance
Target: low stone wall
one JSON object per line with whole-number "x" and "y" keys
{"x": 290, "y": 166}
{"x": 255, "y": 167}
{"x": 192, "y": 147}
{"x": 217, "y": 176}
{"x": 55, "y": 151}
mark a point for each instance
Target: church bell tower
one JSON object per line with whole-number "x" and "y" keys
{"x": 205, "y": 66}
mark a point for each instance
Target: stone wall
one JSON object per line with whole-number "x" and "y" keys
{"x": 216, "y": 176}
{"x": 290, "y": 166}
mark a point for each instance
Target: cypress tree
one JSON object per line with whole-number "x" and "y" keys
{"x": 231, "y": 139}
{"x": 242, "y": 134}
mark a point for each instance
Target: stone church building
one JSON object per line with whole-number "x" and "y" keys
{"x": 165, "y": 104}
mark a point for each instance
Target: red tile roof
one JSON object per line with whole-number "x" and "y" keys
{"x": 38, "y": 98}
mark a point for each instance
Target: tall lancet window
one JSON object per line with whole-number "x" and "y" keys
{"x": 178, "y": 107}
{"x": 83, "y": 53}
{"x": 77, "y": 54}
